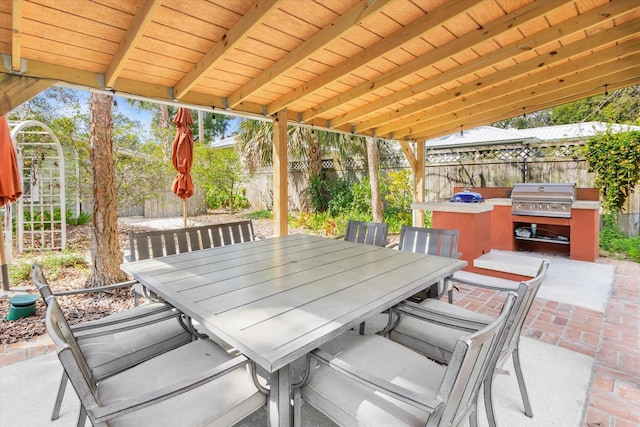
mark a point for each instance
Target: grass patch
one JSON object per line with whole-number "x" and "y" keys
{"x": 260, "y": 214}
{"x": 53, "y": 262}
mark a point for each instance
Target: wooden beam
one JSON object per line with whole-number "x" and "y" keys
{"x": 578, "y": 24}
{"x": 419, "y": 184}
{"x": 408, "y": 153}
{"x": 253, "y": 18}
{"x": 16, "y": 90}
{"x": 16, "y": 34}
{"x": 134, "y": 33}
{"x": 465, "y": 42}
{"x": 514, "y": 107}
{"x": 406, "y": 34}
{"x": 485, "y": 88}
{"x": 280, "y": 175}
{"x": 92, "y": 80}
{"x": 353, "y": 17}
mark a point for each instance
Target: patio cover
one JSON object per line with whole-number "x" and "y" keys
{"x": 406, "y": 70}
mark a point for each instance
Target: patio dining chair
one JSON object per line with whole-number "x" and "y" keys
{"x": 195, "y": 384}
{"x": 371, "y": 380}
{"x": 158, "y": 243}
{"x": 121, "y": 340}
{"x": 450, "y": 322}
{"x": 430, "y": 241}
{"x": 368, "y": 233}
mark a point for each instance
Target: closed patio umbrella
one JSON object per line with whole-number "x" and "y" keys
{"x": 10, "y": 187}
{"x": 182, "y": 157}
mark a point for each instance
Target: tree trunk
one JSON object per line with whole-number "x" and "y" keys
{"x": 314, "y": 165}
{"x": 373, "y": 157}
{"x": 105, "y": 255}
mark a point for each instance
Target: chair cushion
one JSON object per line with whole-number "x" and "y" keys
{"x": 442, "y": 307}
{"x": 221, "y": 402}
{"x": 110, "y": 353}
{"x": 348, "y": 402}
{"x": 431, "y": 339}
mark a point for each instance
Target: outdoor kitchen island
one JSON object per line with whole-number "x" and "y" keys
{"x": 492, "y": 225}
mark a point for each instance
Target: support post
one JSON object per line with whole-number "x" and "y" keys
{"x": 280, "y": 175}
{"x": 419, "y": 185}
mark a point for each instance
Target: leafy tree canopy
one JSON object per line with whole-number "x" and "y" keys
{"x": 619, "y": 106}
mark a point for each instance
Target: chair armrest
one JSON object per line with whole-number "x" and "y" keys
{"x": 380, "y": 384}
{"x": 129, "y": 258}
{"x": 97, "y": 289}
{"x": 108, "y": 327}
{"x": 105, "y": 413}
{"x": 449, "y": 320}
{"x": 483, "y": 281}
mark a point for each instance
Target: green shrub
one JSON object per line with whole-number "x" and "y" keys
{"x": 318, "y": 194}
{"x": 341, "y": 198}
{"x": 614, "y": 242}
{"x": 81, "y": 219}
{"x": 361, "y": 204}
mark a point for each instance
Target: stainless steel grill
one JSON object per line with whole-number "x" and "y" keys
{"x": 536, "y": 199}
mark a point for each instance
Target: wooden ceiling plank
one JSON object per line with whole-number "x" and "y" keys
{"x": 577, "y": 24}
{"x": 452, "y": 127}
{"x": 134, "y": 33}
{"x": 404, "y": 35}
{"x": 549, "y": 92}
{"x": 16, "y": 34}
{"x": 394, "y": 120}
{"x": 552, "y": 80}
{"x": 249, "y": 21}
{"x": 320, "y": 40}
{"x": 505, "y": 24}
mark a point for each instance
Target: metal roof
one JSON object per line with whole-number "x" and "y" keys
{"x": 489, "y": 135}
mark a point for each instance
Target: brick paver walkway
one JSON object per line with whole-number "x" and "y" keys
{"x": 612, "y": 338}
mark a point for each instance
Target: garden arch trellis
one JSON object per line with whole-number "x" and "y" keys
{"x": 41, "y": 211}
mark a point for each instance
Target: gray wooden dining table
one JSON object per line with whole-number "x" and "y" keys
{"x": 277, "y": 299}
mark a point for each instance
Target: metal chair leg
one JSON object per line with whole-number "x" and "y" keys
{"x": 297, "y": 408}
{"x": 488, "y": 399}
{"x": 82, "y": 417}
{"x": 523, "y": 388}
{"x": 473, "y": 416}
{"x": 61, "y": 388}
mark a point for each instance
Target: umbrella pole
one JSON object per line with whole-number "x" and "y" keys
{"x": 3, "y": 260}
{"x": 184, "y": 211}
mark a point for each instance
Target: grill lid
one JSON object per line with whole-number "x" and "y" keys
{"x": 537, "y": 199}
{"x": 467, "y": 196}
{"x": 556, "y": 192}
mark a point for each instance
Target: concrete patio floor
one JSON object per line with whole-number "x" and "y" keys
{"x": 580, "y": 353}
